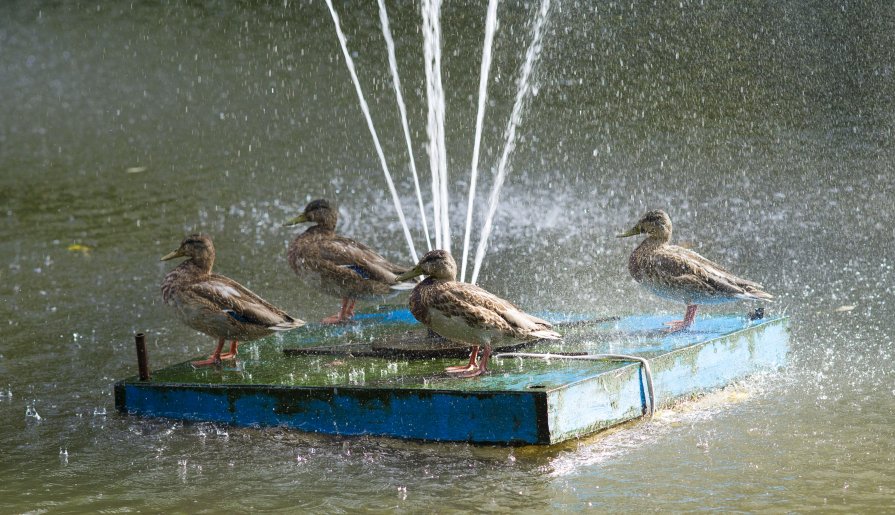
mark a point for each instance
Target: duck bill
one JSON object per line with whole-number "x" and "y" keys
{"x": 632, "y": 232}
{"x": 410, "y": 274}
{"x": 171, "y": 255}
{"x": 297, "y": 220}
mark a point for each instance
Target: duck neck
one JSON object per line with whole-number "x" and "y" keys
{"x": 328, "y": 221}
{"x": 200, "y": 265}
{"x": 189, "y": 271}
{"x": 657, "y": 239}
{"x": 654, "y": 241}
{"x": 324, "y": 226}
{"x": 639, "y": 259}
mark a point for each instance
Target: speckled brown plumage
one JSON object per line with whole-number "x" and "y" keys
{"x": 679, "y": 274}
{"x": 477, "y": 307}
{"x": 217, "y": 305}
{"x": 467, "y": 313}
{"x": 337, "y": 265}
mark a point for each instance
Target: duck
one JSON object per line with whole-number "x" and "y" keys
{"x": 340, "y": 266}
{"x": 468, "y": 314}
{"x": 217, "y": 305}
{"x": 681, "y": 275}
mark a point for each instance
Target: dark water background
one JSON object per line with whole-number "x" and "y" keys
{"x": 764, "y": 129}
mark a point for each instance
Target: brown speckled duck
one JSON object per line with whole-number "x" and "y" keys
{"x": 465, "y": 313}
{"x": 680, "y": 274}
{"x": 337, "y": 265}
{"x": 216, "y": 305}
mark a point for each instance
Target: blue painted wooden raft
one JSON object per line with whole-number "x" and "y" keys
{"x": 344, "y": 380}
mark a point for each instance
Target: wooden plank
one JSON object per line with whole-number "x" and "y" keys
{"x": 485, "y": 417}
{"x": 521, "y": 401}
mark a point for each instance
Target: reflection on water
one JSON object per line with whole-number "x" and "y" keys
{"x": 610, "y": 445}
{"x": 765, "y": 131}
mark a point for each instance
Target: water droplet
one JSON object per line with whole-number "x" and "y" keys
{"x": 31, "y": 412}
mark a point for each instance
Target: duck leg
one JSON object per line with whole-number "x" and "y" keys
{"x": 339, "y": 317}
{"x": 214, "y": 359}
{"x": 349, "y": 312}
{"x": 233, "y": 350}
{"x": 680, "y": 325}
{"x": 483, "y": 365}
{"x": 466, "y": 368}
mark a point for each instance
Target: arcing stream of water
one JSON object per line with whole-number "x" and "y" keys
{"x": 366, "y": 109}
{"x": 431, "y": 12}
{"x": 490, "y": 30}
{"x": 437, "y": 151}
{"x": 402, "y": 108}
{"x": 531, "y": 56}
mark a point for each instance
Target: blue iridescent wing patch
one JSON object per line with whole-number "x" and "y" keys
{"x": 359, "y": 270}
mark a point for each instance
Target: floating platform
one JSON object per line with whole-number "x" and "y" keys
{"x": 383, "y": 375}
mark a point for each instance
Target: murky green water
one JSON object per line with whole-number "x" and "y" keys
{"x": 765, "y": 130}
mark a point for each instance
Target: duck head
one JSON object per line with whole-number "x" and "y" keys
{"x": 656, "y": 223}
{"x": 197, "y": 247}
{"x": 318, "y": 211}
{"x": 438, "y": 264}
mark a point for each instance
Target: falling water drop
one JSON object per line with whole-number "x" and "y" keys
{"x": 31, "y": 412}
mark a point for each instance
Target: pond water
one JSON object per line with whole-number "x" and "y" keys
{"x": 764, "y": 130}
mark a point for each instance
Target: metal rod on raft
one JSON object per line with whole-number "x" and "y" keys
{"x": 142, "y": 357}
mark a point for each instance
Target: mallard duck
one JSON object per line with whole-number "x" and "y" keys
{"x": 465, "y": 313}
{"x": 680, "y": 274}
{"x": 339, "y": 266}
{"x": 216, "y": 305}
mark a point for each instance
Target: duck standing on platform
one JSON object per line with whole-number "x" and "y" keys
{"x": 465, "y": 313}
{"x": 676, "y": 273}
{"x": 216, "y": 305}
{"x": 337, "y": 265}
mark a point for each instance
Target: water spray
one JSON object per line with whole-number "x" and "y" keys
{"x": 431, "y": 11}
{"x": 393, "y": 63}
{"x": 531, "y": 56}
{"x": 366, "y": 110}
{"x": 490, "y": 30}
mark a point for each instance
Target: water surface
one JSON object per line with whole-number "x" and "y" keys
{"x": 765, "y": 130}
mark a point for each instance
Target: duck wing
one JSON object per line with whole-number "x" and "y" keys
{"x": 359, "y": 259}
{"x": 482, "y": 309}
{"x": 683, "y": 268}
{"x": 238, "y": 302}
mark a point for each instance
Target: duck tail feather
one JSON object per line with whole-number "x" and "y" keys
{"x": 405, "y": 286}
{"x": 756, "y": 295}
{"x": 288, "y": 324}
{"x": 546, "y": 334}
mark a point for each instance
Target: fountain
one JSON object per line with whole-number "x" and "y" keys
{"x": 531, "y": 55}
{"x": 436, "y": 148}
{"x": 366, "y": 110}
{"x": 490, "y": 30}
{"x": 431, "y": 12}
{"x": 402, "y": 108}
{"x": 368, "y": 377}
